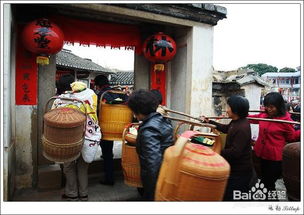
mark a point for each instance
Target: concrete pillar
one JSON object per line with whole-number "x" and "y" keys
{"x": 49, "y": 174}
{"x": 46, "y": 89}
{"x": 141, "y": 72}
{"x": 200, "y": 71}
{"x": 178, "y": 76}
{"x": 8, "y": 100}
{"x": 24, "y": 149}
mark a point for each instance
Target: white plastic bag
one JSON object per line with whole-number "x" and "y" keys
{"x": 91, "y": 142}
{"x": 89, "y": 150}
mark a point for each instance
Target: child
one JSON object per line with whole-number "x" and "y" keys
{"x": 155, "y": 134}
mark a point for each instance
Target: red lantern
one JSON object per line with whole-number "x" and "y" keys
{"x": 43, "y": 38}
{"x": 159, "y": 48}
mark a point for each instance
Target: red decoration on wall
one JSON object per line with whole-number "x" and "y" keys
{"x": 42, "y": 37}
{"x": 99, "y": 33}
{"x": 159, "y": 48}
{"x": 26, "y": 76}
{"x": 158, "y": 81}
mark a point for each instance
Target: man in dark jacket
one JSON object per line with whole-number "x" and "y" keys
{"x": 102, "y": 84}
{"x": 155, "y": 134}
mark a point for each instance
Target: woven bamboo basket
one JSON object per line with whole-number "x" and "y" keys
{"x": 215, "y": 135}
{"x": 130, "y": 162}
{"x": 63, "y": 132}
{"x": 61, "y": 152}
{"x": 192, "y": 172}
{"x": 291, "y": 170}
{"x": 113, "y": 118}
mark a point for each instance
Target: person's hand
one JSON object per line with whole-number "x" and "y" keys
{"x": 204, "y": 119}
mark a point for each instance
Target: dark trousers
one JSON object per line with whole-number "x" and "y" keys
{"x": 237, "y": 182}
{"x": 108, "y": 163}
{"x": 271, "y": 171}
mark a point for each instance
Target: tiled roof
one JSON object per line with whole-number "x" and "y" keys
{"x": 241, "y": 77}
{"x": 248, "y": 79}
{"x": 122, "y": 78}
{"x": 66, "y": 58}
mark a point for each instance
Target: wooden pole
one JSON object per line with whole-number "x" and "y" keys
{"x": 225, "y": 117}
{"x": 262, "y": 111}
{"x": 259, "y": 119}
{"x": 191, "y": 122}
{"x": 181, "y": 113}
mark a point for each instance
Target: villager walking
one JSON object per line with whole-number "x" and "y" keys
{"x": 272, "y": 138}
{"x": 102, "y": 86}
{"x": 237, "y": 149}
{"x": 155, "y": 135}
{"x": 76, "y": 172}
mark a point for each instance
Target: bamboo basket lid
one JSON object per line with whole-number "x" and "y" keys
{"x": 64, "y": 118}
{"x": 204, "y": 162}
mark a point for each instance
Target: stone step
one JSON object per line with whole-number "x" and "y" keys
{"x": 49, "y": 177}
{"x": 52, "y": 177}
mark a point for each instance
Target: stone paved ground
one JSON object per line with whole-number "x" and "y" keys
{"x": 98, "y": 192}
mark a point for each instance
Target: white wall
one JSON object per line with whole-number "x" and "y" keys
{"x": 24, "y": 159}
{"x": 253, "y": 94}
{"x": 8, "y": 146}
{"x": 201, "y": 70}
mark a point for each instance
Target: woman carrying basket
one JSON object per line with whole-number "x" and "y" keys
{"x": 76, "y": 172}
{"x": 237, "y": 149}
{"x": 155, "y": 135}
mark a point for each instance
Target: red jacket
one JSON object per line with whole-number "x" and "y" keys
{"x": 273, "y": 136}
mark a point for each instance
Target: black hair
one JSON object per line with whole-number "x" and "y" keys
{"x": 64, "y": 83}
{"x": 142, "y": 102}
{"x": 101, "y": 80}
{"x": 276, "y": 99}
{"x": 158, "y": 95}
{"x": 239, "y": 105}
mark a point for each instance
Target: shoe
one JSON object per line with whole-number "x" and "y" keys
{"x": 83, "y": 198}
{"x": 103, "y": 182}
{"x": 69, "y": 198}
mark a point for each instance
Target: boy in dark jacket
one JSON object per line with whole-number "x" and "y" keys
{"x": 155, "y": 134}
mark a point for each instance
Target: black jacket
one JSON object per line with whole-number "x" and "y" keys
{"x": 237, "y": 149}
{"x": 155, "y": 134}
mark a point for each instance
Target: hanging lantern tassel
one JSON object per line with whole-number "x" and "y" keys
{"x": 42, "y": 60}
{"x": 159, "y": 67}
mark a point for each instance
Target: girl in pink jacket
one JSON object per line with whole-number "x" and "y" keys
{"x": 272, "y": 138}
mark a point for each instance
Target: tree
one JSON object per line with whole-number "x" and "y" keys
{"x": 287, "y": 69}
{"x": 261, "y": 68}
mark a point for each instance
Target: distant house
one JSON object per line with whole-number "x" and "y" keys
{"x": 238, "y": 82}
{"x": 287, "y": 83}
{"x": 83, "y": 69}
{"x": 122, "y": 79}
